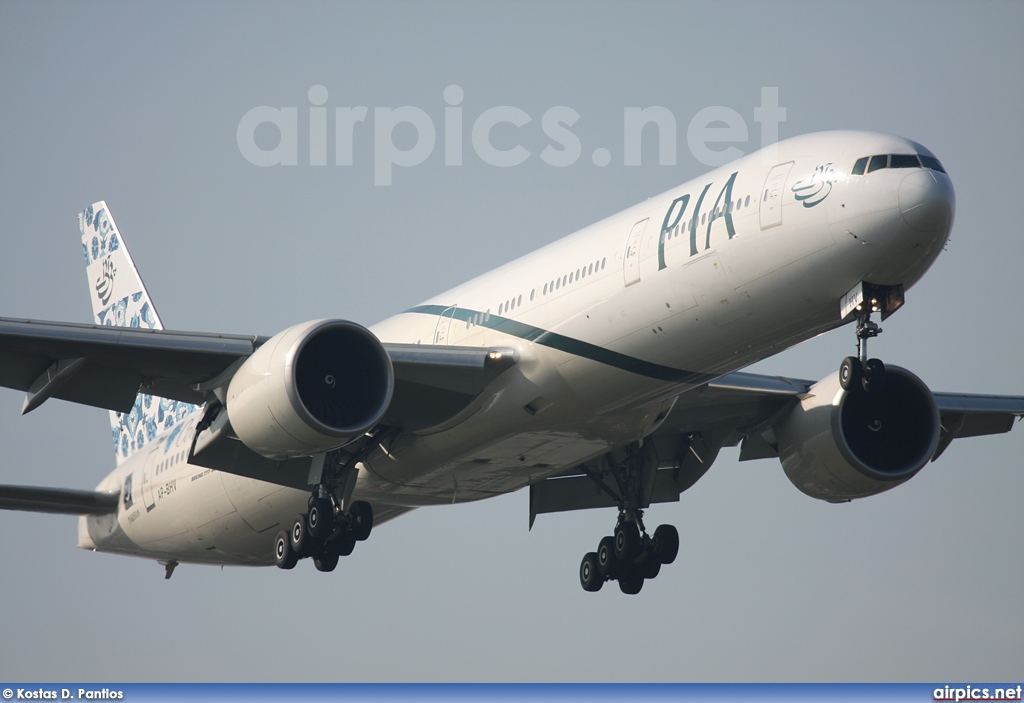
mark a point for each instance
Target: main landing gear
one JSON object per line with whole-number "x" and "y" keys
{"x": 333, "y": 522}
{"x": 629, "y": 555}
{"x": 860, "y": 371}
{"x": 324, "y": 533}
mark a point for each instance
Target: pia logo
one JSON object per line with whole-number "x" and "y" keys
{"x": 105, "y": 282}
{"x": 811, "y": 191}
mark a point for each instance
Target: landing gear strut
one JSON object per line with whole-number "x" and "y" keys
{"x": 860, "y": 371}
{"x": 629, "y": 555}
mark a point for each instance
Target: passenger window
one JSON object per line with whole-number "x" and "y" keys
{"x": 878, "y": 162}
{"x": 904, "y": 161}
{"x": 931, "y": 162}
{"x": 858, "y": 168}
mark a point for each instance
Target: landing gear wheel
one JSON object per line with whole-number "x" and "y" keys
{"x": 343, "y": 545}
{"x": 326, "y": 561}
{"x": 320, "y": 519}
{"x": 301, "y": 541}
{"x": 631, "y": 582}
{"x": 590, "y": 579}
{"x": 851, "y": 371}
{"x": 627, "y": 542}
{"x": 284, "y": 556}
{"x": 361, "y": 514}
{"x": 607, "y": 562}
{"x": 874, "y": 376}
{"x": 650, "y": 568}
{"x": 666, "y": 544}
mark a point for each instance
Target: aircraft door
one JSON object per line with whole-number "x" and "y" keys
{"x": 631, "y": 259}
{"x": 771, "y": 195}
{"x": 444, "y": 325}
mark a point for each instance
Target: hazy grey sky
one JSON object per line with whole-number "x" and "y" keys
{"x": 139, "y": 104}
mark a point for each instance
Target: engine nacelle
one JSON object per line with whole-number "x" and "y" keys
{"x": 838, "y": 445}
{"x": 310, "y": 389}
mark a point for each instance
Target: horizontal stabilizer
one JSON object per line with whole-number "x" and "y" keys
{"x": 57, "y": 500}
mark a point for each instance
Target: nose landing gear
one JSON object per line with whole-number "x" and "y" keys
{"x": 860, "y": 372}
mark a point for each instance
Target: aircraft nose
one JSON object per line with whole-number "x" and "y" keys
{"x": 926, "y": 200}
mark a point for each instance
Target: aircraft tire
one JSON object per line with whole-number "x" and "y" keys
{"x": 590, "y": 578}
{"x": 874, "y": 376}
{"x": 320, "y": 519}
{"x": 631, "y": 582}
{"x": 666, "y": 543}
{"x": 326, "y": 561}
{"x": 627, "y": 542}
{"x": 650, "y": 568}
{"x": 607, "y": 562}
{"x": 284, "y": 556}
{"x": 301, "y": 541}
{"x": 361, "y": 513}
{"x": 851, "y": 371}
{"x": 344, "y": 545}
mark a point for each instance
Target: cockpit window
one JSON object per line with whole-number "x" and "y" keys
{"x": 904, "y": 161}
{"x": 932, "y": 163}
{"x": 867, "y": 165}
{"x": 878, "y": 162}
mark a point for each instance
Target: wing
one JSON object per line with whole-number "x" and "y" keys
{"x": 745, "y": 402}
{"x": 108, "y": 367}
{"x": 57, "y": 500}
{"x": 741, "y": 409}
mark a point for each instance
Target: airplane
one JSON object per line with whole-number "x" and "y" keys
{"x": 600, "y": 371}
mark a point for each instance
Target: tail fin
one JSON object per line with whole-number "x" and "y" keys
{"x": 120, "y": 299}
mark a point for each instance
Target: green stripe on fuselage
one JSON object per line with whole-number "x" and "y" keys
{"x": 568, "y": 345}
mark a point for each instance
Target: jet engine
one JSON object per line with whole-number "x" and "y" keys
{"x": 309, "y": 389}
{"x": 838, "y": 445}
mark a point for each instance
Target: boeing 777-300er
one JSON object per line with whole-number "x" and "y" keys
{"x": 602, "y": 370}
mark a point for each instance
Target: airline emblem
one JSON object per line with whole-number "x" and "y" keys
{"x": 811, "y": 191}
{"x": 105, "y": 283}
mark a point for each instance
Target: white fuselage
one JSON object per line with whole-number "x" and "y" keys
{"x": 612, "y": 324}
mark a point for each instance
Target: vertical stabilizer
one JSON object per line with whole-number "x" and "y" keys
{"x": 119, "y": 299}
